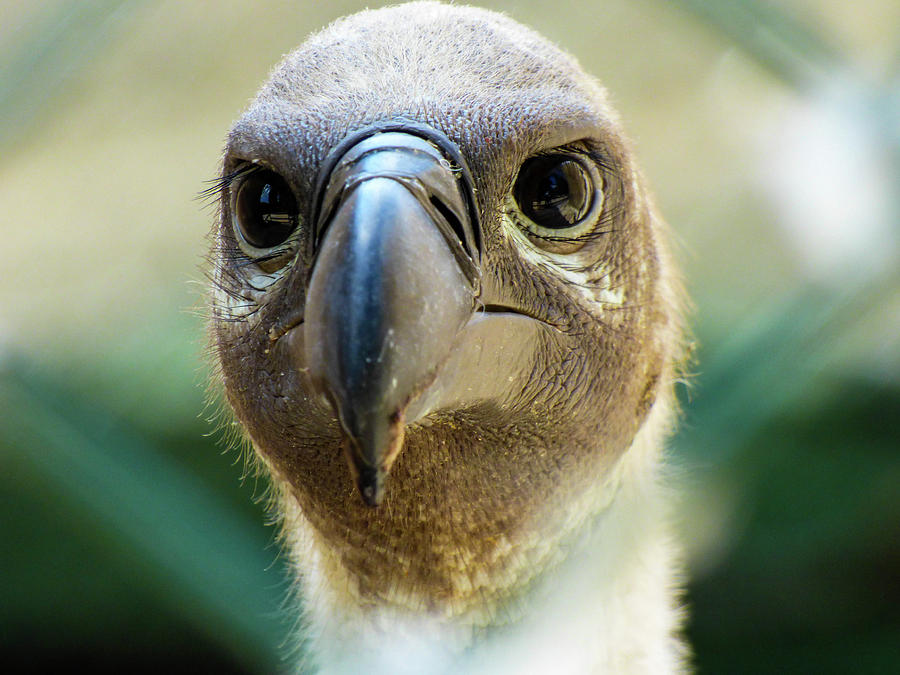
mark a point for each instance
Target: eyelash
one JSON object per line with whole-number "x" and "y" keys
{"x": 222, "y": 184}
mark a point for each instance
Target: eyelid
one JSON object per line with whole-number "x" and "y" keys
{"x": 585, "y": 151}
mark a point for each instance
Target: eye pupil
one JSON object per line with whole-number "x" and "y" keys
{"x": 555, "y": 192}
{"x": 553, "y": 189}
{"x": 265, "y": 209}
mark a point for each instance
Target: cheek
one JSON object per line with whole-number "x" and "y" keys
{"x": 272, "y": 400}
{"x": 603, "y": 387}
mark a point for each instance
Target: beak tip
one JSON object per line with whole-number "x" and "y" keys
{"x": 371, "y": 455}
{"x": 370, "y": 483}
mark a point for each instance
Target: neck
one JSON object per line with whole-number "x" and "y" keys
{"x": 606, "y": 605}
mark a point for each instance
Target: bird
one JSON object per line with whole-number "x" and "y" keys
{"x": 445, "y": 313}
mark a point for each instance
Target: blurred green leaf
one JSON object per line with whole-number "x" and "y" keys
{"x": 204, "y": 560}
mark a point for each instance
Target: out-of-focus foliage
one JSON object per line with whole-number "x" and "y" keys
{"x": 128, "y": 539}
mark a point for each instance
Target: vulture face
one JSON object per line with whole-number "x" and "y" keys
{"x": 441, "y": 307}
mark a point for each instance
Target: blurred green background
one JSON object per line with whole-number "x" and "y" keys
{"x": 130, "y": 540}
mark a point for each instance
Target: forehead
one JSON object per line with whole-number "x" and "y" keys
{"x": 424, "y": 47}
{"x": 488, "y": 83}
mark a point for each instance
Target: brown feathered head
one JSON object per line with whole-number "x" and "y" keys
{"x": 442, "y": 305}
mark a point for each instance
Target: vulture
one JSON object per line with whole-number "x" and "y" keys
{"x": 444, "y": 313}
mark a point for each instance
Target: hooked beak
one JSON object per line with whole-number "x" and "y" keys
{"x": 395, "y": 279}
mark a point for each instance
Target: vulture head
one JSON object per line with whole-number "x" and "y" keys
{"x": 444, "y": 314}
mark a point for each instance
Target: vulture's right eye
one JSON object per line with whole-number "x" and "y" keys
{"x": 265, "y": 210}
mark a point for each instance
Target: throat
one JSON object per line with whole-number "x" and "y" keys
{"x": 605, "y": 607}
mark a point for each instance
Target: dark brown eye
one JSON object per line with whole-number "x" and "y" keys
{"x": 265, "y": 211}
{"x": 555, "y": 192}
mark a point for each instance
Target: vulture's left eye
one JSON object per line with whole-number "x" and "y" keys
{"x": 559, "y": 195}
{"x": 264, "y": 210}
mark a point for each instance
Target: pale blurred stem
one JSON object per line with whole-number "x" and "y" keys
{"x": 46, "y": 54}
{"x": 773, "y": 38}
{"x": 794, "y": 53}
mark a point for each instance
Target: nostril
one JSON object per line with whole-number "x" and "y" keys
{"x": 452, "y": 220}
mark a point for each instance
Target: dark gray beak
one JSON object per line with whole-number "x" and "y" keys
{"x": 395, "y": 279}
